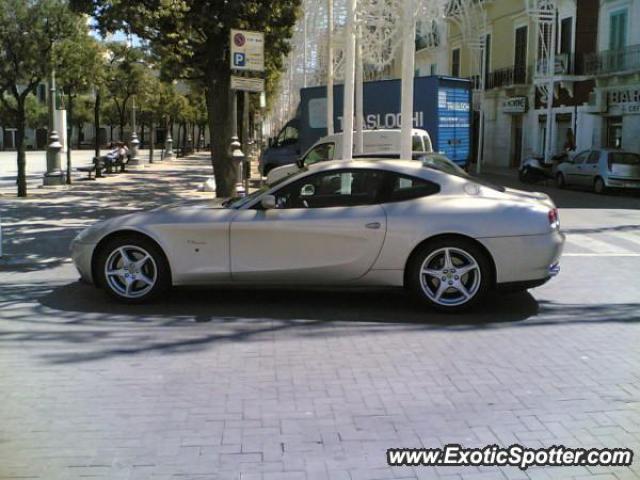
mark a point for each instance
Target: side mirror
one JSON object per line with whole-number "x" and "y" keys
{"x": 271, "y": 142}
{"x": 300, "y": 163}
{"x": 268, "y": 202}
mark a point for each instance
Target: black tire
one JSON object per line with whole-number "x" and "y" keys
{"x": 599, "y": 186}
{"x": 418, "y": 283}
{"x": 156, "y": 268}
{"x": 525, "y": 176}
{"x": 560, "y": 181}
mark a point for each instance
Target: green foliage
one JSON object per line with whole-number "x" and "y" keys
{"x": 28, "y": 32}
{"x": 191, "y": 40}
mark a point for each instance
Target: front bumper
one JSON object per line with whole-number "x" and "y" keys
{"x": 82, "y": 254}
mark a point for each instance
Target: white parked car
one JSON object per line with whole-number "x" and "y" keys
{"x": 374, "y": 142}
{"x": 446, "y": 237}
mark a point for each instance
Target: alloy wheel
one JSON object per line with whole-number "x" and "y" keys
{"x": 130, "y": 271}
{"x": 450, "y": 276}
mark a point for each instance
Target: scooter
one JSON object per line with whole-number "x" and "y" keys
{"x": 534, "y": 170}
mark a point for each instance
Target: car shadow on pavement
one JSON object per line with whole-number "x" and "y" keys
{"x": 75, "y": 323}
{"x": 201, "y": 305}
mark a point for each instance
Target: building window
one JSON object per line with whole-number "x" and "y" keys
{"x": 618, "y": 30}
{"x": 487, "y": 55}
{"x": 455, "y": 62}
{"x": 566, "y": 35}
{"x": 614, "y": 132}
{"x": 520, "y": 55}
{"x": 433, "y": 69}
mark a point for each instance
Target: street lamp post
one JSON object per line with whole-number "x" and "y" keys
{"x": 54, "y": 174}
{"x": 135, "y": 143}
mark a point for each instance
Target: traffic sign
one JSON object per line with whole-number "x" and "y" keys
{"x": 247, "y": 84}
{"x": 247, "y": 50}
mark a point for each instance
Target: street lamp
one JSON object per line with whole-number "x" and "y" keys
{"x": 54, "y": 174}
{"x": 135, "y": 160}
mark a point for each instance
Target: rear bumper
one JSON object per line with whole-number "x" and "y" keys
{"x": 531, "y": 258}
{"x": 620, "y": 182}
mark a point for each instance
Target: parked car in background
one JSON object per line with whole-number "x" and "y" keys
{"x": 446, "y": 238}
{"x": 600, "y": 170}
{"x": 375, "y": 142}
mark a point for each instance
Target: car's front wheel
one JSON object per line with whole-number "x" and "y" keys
{"x": 132, "y": 269}
{"x": 450, "y": 274}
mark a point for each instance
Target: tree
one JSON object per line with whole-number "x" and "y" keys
{"x": 125, "y": 76}
{"x": 192, "y": 40}
{"x": 28, "y": 33}
{"x": 79, "y": 65}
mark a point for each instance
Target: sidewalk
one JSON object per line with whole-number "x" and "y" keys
{"x": 36, "y": 230}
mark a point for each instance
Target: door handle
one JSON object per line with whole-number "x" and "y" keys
{"x": 373, "y": 225}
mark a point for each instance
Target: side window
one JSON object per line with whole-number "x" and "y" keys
{"x": 288, "y": 136}
{"x": 417, "y": 145}
{"x": 580, "y": 158}
{"x": 320, "y": 153}
{"x": 594, "y": 156}
{"x": 428, "y": 147}
{"x": 404, "y": 187}
{"x": 336, "y": 188}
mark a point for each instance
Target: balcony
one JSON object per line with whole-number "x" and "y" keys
{"x": 613, "y": 61}
{"x": 507, "y": 77}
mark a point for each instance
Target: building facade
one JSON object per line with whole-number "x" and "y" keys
{"x": 596, "y": 77}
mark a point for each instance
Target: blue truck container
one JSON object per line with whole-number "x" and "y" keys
{"x": 441, "y": 105}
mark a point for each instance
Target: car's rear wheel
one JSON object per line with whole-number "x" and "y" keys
{"x": 450, "y": 274}
{"x": 560, "y": 181}
{"x": 599, "y": 186}
{"x": 132, "y": 269}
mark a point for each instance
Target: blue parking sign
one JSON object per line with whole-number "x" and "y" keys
{"x": 239, "y": 59}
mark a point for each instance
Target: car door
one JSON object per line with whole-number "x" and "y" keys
{"x": 573, "y": 170}
{"x": 327, "y": 228}
{"x": 590, "y": 168}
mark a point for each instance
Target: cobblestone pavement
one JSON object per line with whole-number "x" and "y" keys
{"x": 314, "y": 384}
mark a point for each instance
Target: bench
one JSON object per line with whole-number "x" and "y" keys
{"x": 97, "y": 167}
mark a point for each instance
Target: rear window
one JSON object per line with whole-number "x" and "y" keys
{"x": 404, "y": 187}
{"x": 624, "y": 158}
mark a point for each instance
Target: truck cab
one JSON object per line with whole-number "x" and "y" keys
{"x": 283, "y": 149}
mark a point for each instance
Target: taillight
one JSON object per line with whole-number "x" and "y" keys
{"x": 554, "y": 219}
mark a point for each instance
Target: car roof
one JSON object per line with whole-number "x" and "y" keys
{"x": 409, "y": 167}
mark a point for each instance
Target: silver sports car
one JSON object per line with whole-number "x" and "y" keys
{"x": 447, "y": 237}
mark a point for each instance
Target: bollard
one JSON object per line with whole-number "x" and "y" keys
{"x": 237, "y": 158}
{"x": 54, "y": 175}
{"x": 168, "y": 147}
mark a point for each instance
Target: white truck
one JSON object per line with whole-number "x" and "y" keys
{"x": 384, "y": 142}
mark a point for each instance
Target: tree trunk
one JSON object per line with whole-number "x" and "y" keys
{"x": 96, "y": 121}
{"x": 196, "y": 140}
{"x": 69, "y": 133}
{"x": 219, "y": 112}
{"x": 20, "y": 147}
{"x": 142, "y": 135}
{"x": 151, "y": 139}
{"x": 184, "y": 139}
{"x": 111, "y": 133}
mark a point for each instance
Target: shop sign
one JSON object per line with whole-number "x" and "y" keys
{"x": 628, "y": 99}
{"x": 514, "y": 105}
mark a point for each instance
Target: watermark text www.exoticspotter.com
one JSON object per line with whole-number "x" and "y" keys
{"x": 512, "y": 456}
